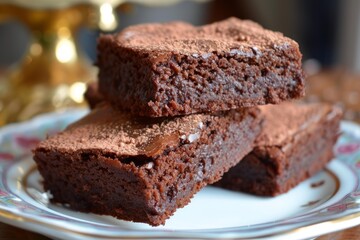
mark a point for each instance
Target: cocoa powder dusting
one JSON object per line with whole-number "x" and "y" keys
{"x": 108, "y": 129}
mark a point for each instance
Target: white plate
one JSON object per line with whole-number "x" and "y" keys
{"x": 325, "y": 203}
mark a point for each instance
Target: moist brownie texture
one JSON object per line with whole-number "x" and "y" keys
{"x": 176, "y": 69}
{"x": 295, "y": 143}
{"x": 142, "y": 169}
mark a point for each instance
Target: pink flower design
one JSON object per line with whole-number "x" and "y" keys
{"x": 3, "y": 194}
{"x": 6, "y": 156}
{"x": 340, "y": 207}
{"x": 355, "y": 194}
{"x": 348, "y": 148}
{"x": 27, "y": 142}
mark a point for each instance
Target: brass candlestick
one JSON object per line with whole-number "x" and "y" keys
{"x": 53, "y": 73}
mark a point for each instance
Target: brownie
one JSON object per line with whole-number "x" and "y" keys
{"x": 175, "y": 68}
{"x": 92, "y": 95}
{"x": 142, "y": 169}
{"x": 296, "y": 142}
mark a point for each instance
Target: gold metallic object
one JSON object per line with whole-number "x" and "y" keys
{"x": 53, "y": 73}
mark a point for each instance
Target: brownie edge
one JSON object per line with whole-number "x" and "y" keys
{"x": 175, "y": 68}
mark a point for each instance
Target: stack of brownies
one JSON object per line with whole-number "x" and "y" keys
{"x": 175, "y": 108}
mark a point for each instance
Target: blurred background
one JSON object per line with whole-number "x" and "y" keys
{"x": 328, "y": 32}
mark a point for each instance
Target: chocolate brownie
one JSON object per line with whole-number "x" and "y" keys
{"x": 175, "y": 68}
{"x": 295, "y": 143}
{"x": 92, "y": 95}
{"x": 142, "y": 169}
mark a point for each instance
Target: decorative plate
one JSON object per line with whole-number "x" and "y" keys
{"x": 327, "y": 202}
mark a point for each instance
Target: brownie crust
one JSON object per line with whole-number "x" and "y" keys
{"x": 296, "y": 142}
{"x": 142, "y": 169}
{"x": 177, "y": 69}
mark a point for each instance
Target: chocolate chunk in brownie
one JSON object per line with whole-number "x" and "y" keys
{"x": 296, "y": 142}
{"x": 142, "y": 169}
{"x": 175, "y": 68}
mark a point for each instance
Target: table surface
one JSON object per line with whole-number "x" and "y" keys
{"x": 334, "y": 86}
